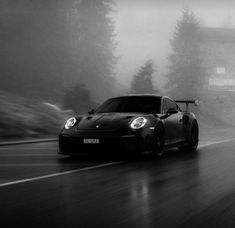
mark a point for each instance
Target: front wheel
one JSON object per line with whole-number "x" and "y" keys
{"x": 192, "y": 143}
{"x": 158, "y": 142}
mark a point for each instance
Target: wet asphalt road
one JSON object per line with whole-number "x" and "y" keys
{"x": 179, "y": 190}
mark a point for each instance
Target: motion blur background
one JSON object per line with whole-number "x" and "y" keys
{"x": 59, "y": 58}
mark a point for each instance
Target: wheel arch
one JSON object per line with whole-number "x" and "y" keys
{"x": 160, "y": 124}
{"x": 192, "y": 120}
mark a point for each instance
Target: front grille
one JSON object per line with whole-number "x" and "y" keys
{"x": 96, "y": 133}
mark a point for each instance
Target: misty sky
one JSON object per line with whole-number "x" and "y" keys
{"x": 144, "y": 28}
{"x": 36, "y": 35}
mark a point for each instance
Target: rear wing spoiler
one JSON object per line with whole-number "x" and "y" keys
{"x": 187, "y": 102}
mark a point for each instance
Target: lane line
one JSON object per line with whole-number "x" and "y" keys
{"x": 214, "y": 143}
{"x": 58, "y": 174}
{"x": 32, "y": 141}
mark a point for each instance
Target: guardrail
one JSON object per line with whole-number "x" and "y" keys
{"x": 28, "y": 141}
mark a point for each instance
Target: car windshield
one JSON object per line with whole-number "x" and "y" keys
{"x": 131, "y": 104}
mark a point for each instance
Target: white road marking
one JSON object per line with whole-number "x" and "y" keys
{"x": 58, "y": 174}
{"x": 214, "y": 143}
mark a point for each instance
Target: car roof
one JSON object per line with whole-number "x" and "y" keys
{"x": 140, "y": 95}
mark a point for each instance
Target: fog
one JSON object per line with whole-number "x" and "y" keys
{"x": 144, "y": 29}
{"x": 68, "y": 56}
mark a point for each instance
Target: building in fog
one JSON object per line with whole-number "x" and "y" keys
{"x": 218, "y": 47}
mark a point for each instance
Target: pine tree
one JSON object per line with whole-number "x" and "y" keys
{"x": 187, "y": 74}
{"x": 95, "y": 46}
{"x": 142, "y": 81}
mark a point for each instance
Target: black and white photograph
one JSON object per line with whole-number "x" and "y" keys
{"x": 117, "y": 113}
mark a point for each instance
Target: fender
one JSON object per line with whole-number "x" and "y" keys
{"x": 188, "y": 119}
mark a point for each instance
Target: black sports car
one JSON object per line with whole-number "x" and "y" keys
{"x": 133, "y": 123}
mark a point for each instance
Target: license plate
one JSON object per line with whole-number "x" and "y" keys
{"x": 91, "y": 141}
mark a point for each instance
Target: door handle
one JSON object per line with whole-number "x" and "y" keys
{"x": 180, "y": 120}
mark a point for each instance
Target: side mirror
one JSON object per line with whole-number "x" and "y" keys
{"x": 171, "y": 111}
{"x": 92, "y": 111}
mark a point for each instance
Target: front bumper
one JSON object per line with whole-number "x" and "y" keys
{"x": 73, "y": 145}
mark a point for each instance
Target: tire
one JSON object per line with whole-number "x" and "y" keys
{"x": 158, "y": 142}
{"x": 192, "y": 143}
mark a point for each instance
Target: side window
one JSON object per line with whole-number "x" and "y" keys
{"x": 164, "y": 106}
{"x": 167, "y": 103}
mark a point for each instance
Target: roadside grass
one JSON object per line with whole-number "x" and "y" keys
{"x": 22, "y": 118}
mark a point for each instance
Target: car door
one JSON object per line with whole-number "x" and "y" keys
{"x": 173, "y": 123}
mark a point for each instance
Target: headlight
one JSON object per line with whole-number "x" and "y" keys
{"x": 138, "y": 123}
{"x": 70, "y": 123}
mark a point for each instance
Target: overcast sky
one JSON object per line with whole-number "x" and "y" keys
{"x": 144, "y": 28}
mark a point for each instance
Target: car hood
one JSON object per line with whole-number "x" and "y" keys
{"x": 105, "y": 121}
